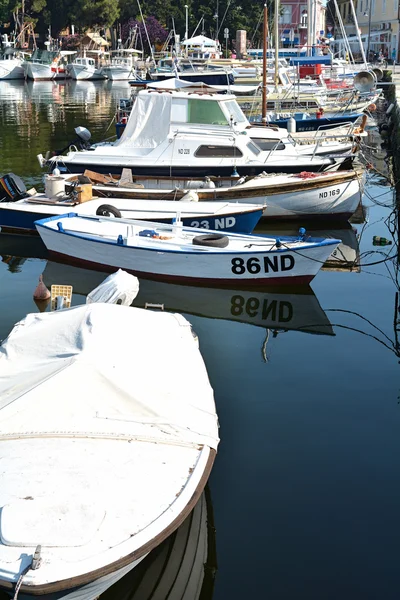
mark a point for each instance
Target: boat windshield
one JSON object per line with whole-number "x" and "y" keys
{"x": 205, "y": 111}
{"x": 235, "y": 111}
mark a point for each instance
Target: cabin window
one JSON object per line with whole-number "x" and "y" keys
{"x": 218, "y": 152}
{"x": 267, "y": 144}
{"x": 234, "y": 109}
{"x": 253, "y": 148}
{"x": 205, "y": 111}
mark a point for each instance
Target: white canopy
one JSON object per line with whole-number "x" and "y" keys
{"x": 170, "y": 84}
{"x": 149, "y": 121}
{"x": 103, "y": 370}
{"x": 200, "y": 40}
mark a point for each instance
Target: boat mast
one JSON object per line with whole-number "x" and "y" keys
{"x": 276, "y": 44}
{"x": 264, "y": 83}
{"x": 353, "y": 12}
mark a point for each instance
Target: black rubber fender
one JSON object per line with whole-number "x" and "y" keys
{"x": 106, "y": 210}
{"x": 216, "y": 240}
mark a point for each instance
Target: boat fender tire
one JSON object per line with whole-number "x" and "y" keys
{"x": 215, "y": 240}
{"x": 106, "y": 210}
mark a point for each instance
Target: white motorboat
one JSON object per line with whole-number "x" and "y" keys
{"x": 47, "y": 64}
{"x": 85, "y": 68}
{"x": 100, "y": 460}
{"x": 122, "y": 65}
{"x": 183, "y": 254}
{"x": 175, "y": 133}
{"x": 11, "y": 64}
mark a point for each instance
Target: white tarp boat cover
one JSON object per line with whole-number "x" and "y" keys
{"x": 118, "y": 288}
{"x": 109, "y": 371}
{"x": 149, "y": 121}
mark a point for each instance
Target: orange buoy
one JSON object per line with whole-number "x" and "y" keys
{"x": 372, "y": 107}
{"x": 41, "y": 292}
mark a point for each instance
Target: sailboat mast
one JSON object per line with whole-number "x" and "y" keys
{"x": 264, "y": 83}
{"x": 276, "y": 43}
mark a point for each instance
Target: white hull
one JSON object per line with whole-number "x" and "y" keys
{"x": 83, "y": 73}
{"x": 251, "y": 260}
{"x": 41, "y": 72}
{"x": 117, "y": 73}
{"x": 284, "y": 197}
{"x": 11, "y": 69}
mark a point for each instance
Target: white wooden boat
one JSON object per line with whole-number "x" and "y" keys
{"x": 100, "y": 463}
{"x": 183, "y": 254}
{"x": 47, "y": 64}
{"x": 179, "y": 134}
{"x": 85, "y": 68}
{"x": 20, "y": 216}
{"x": 122, "y": 65}
{"x": 11, "y": 64}
{"x": 303, "y": 195}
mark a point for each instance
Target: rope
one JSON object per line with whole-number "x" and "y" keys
{"x": 34, "y": 564}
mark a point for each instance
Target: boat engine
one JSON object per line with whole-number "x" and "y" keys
{"x": 81, "y": 141}
{"x": 12, "y": 188}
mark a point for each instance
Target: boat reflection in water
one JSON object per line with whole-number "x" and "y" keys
{"x": 183, "y": 567}
{"x": 344, "y": 258}
{"x": 285, "y": 308}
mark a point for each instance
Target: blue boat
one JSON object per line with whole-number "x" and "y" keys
{"x": 20, "y": 216}
{"x": 306, "y": 122}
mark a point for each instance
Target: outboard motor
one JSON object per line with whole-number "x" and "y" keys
{"x": 12, "y": 188}
{"x": 82, "y": 140}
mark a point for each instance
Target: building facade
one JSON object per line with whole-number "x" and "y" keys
{"x": 378, "y": 24}
{"x": 295, "y": 20}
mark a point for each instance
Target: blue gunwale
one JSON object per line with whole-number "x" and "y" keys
{"x": 312, "y": 242}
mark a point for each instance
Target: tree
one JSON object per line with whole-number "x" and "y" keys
{"x": 98, "y": 12}
{"x": 156, "y": 32}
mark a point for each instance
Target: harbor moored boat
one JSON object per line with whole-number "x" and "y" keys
{"x": 183, "y": 254}
{"x": 109, "y": 464}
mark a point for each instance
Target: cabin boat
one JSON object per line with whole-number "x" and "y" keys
{"x": 175, "y": 133}
{"x": 183, "y": 254}
{"x": 108, "y": 463}
{"x": 11, "y": 61}
{"x": 47, "y": 64}
{"x": 122, "y": 64}
{"x": 85, "y": 68}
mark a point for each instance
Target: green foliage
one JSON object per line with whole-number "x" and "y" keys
{"x": 86, "y": 14}
{"x": 99, "y": 12}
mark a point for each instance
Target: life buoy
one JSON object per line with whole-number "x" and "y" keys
{"x": 25, "y": 45}
{"x": 215, "y": 240}
{"x": 106, "y": 210}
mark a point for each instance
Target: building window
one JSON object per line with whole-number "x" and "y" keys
{"x": 383, "y": 6}
{"x": 286, "y": 16}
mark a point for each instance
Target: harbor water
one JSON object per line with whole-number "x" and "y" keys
{"x": 305, "y": 491}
